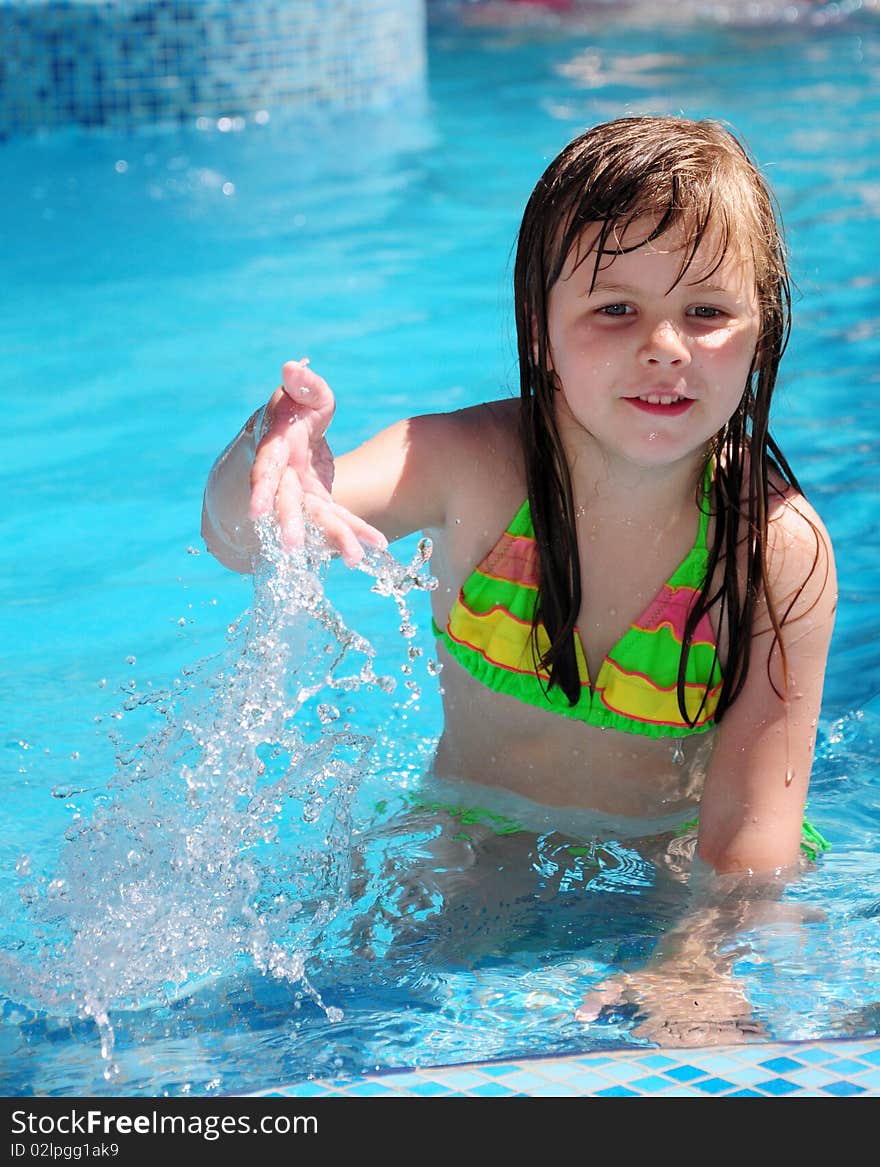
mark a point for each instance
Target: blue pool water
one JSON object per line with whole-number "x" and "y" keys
{"x": 227, "y": 896}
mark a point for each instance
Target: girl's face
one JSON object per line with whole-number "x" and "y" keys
{"x": 651, "y": 365}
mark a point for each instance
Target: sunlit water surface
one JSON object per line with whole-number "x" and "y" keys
{"x": 215, "y": 872}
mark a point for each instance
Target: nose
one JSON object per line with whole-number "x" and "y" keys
{"x": 664, "y": 345}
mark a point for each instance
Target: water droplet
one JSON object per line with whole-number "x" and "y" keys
{"x": 678, "y": 753}
{"x": 789, "y": 776}
{"x": 311, "y": 812}
{"x": 327, "y": 713}
{"x": 131, "y": 660}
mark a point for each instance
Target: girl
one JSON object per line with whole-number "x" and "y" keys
{"x": 635, "y": 600}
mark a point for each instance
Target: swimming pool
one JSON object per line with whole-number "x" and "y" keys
{"x": 160, "y": 278}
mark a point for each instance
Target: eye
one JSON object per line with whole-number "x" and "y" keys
{"x": 705, "y": 312}
{"x": 615, "y": 310}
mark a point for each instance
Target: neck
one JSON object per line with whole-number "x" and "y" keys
{"x": 615, "y": 488}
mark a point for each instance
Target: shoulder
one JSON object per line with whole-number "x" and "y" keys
{"x": 476, "y": 449}
{"x": 483, "y": 482}
{"x": 491, "y": 427}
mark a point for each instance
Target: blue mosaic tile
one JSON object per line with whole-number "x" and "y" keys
{"x": 428, "y": 1089}
{"x": 594, "y": 1060}
{"x": 845, "y": 1066}
{"x": 778, "y": 1087}
{"x": 781, "y": 1065}
{"x": 623, "y": 1071}
{"x": 617, "y": 1092}
{"x": 746, "y": 1094}
{"x": 651, "y": 1085}
{"x": 588, "y": 1082}
{"x": 870, "y": 1079}
{"x": 685, "y": 1073}
{"x": 555, "y": 1090}
{"x": 657, "y": 1061}
{"x": 817, "y": 1053}
{"x": 372, "y": 1089}
{"x": 566, "y": 1070}
{"x": 401, "y": 1081}
{"x": 719, "y": 1063}
{"x": 715, "y": 1086}
{"x": 494, "y": 1090}
{"x": 458, "y": 1079}
{"x": 746, "y": 1075}
{"x": 306, "y": 1090}
{"x": 872, "y": 1056}
{"x": 813, "y": 1076}
{"x": 525, "y": 1080}
{"x": 843, "y": 1089}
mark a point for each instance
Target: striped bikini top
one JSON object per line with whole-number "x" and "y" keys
{"x": 636, "y": 688}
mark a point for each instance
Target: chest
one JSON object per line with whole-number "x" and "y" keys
{"x": 624, "y": 571}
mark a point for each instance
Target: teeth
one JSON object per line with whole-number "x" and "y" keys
{"x": 661, "y": 398}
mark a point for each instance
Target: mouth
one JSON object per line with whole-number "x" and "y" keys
{"x": 665, "y": 404}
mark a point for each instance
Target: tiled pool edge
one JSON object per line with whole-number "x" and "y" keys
{"x": 834, "y": 1068}
{"x": 122, "y": 63}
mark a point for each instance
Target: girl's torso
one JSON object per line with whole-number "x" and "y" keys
{"x": 497, "y": 740}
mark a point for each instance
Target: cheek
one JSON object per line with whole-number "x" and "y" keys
{"x": 729, "y": 350}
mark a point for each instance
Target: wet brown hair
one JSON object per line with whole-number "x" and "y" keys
{"x": 696, "y": 177}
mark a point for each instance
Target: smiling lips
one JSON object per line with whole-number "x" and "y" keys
{"x": 662, "y": 404}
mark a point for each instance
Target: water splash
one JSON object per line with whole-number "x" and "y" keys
{"x": 223, "y": 838}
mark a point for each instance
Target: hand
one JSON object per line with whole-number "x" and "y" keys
{"x": 681, "y": 1006}
{"x": 292, "y": 473}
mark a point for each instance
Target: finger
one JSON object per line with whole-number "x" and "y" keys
{"x": 289, "y": 510}
{"x": 335, "y": 528}
{"x": 308, "y": 390}
{"x": 362, "y": 529}
{"x": 269, "y": 465}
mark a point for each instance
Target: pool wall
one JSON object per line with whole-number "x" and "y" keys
{"x": 118, "y": 63}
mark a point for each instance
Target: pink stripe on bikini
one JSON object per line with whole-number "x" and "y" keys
{"x": 514, "y": 558}
{"x": 671, "y": 609}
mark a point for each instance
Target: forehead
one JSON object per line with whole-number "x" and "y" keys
{"x": 694, "y": 256}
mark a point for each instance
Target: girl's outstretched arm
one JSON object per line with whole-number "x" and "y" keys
{"x": 752, "y": 808}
